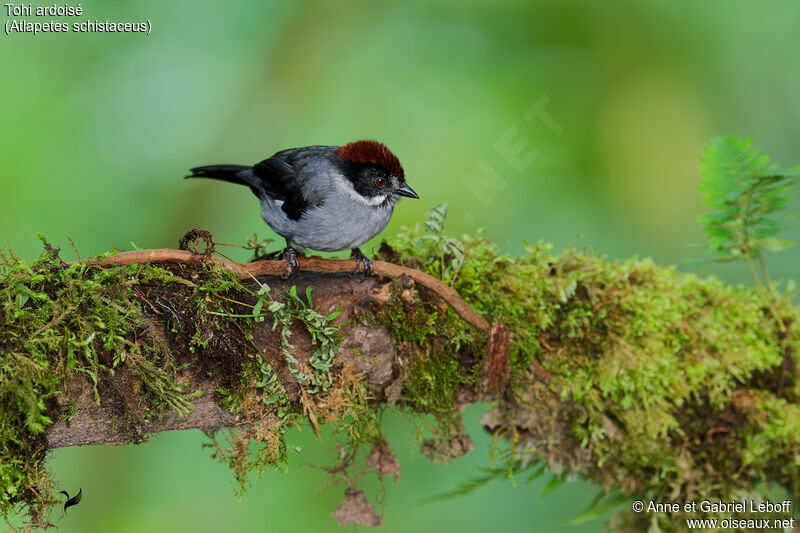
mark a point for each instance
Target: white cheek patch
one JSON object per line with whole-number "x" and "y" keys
{"x": 374, "y": 201}
{"x": 343, "y": 185}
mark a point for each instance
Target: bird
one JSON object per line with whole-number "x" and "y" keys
{"x": 324, "y": 198}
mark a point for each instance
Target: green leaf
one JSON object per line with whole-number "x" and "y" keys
{"x": 600, "y": 506}
{"x": 257, "y": 307}
{"x": 697, "y": 260}
{"x": 774, "y": 245}
{"x": 308, "y": 295}
{"x": 468, "y": 486}
{"x": 553, "y": 484}
{"x": 745, "y": 190}
{"x": 792, "y": 173}
{"x": 537, "y": 473}
{"x": 435, "y": 222}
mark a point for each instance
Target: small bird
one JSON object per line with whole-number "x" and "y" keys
{"x": 326, "y": 198}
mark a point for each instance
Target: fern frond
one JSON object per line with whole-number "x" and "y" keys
{"x": 601, "y": 505}
{"x": 468, "y": 486}
{"x": 435, "y": 222}
{"x": 746, "y": 190}
{"x": 513, "y": 469}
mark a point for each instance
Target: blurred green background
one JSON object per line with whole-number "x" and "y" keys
{"x": 580, "y": 123}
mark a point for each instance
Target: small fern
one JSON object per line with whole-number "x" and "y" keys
{"x": 259, "y": 247}
{"x": 746, "y": 191}
{"x": 435, "y": 222}
{"x": 324, "y": 334}
{"x": 447, "y": 246}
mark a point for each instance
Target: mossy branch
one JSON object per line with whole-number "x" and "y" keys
{"x": 334, "y": 290}
{"x": 308, "y": 264}
{"x": 642, "y": 379}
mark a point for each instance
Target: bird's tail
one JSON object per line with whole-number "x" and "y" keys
{"x": 228, "y": 173}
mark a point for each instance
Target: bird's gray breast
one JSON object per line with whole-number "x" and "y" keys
{"x": 339, "y": 223}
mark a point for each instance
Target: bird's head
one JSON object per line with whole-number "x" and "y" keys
{"x": 374, "y": 171}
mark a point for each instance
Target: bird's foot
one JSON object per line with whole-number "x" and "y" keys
{"x": 362, "y": 259}
{"x": 292, "y": 264}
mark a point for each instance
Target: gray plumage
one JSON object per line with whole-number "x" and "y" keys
{"x": 325, "y": 198}
{"x": 338, "y": 218}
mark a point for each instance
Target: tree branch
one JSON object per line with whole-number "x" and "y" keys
{"x": 313, "y": 264}
{"x": 368, "y": 349}
{"x": 608, "y": 370}
{"x": 93, "y": 423}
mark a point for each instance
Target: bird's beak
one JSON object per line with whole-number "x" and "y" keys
{"x": 405, "y": 190}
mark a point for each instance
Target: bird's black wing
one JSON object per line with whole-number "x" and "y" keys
{"x": 280, "y": 180}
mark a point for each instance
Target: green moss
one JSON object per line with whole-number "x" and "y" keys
{"x": 404, "y": 328}
{"x": 62, "y": 321}
{"x": 437, "y": 351}
{"x": 674, "y": 384}
{"x": 340, "y": 400}
{"x": 651, "y": 367}
{"x": 430, "y": 387}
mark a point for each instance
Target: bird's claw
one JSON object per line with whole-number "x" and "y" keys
{"x": 362, "y": 259}
{"x": 292, "y": 264}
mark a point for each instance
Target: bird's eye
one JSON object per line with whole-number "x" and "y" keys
{"x": 380, "y": 182}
